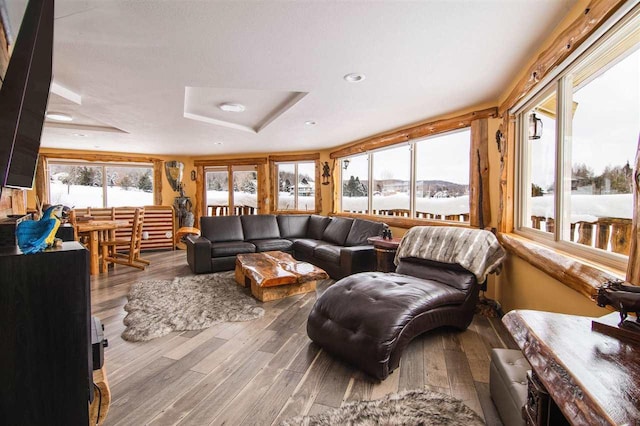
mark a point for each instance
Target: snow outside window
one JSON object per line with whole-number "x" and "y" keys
{"x": 82, "y": 184}
{"x": 576, "y": 177}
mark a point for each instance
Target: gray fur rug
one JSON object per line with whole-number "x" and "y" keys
{"x": 158, "y": 307}
{"x": 414, "y": 407}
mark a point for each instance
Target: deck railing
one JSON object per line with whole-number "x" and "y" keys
{"x": 606, "y": 233}
{"x": 221, "y": 210}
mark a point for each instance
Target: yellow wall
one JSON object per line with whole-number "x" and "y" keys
{"x": 522, "y": 286}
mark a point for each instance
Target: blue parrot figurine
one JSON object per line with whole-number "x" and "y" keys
{"x": 36, "y": 235}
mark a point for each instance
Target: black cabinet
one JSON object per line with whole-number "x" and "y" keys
{"x": 45, "y": 342}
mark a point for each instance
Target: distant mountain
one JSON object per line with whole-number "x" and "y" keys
{"x": 440, "y": 188}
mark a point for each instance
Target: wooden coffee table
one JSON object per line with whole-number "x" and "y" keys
{"x": 274, "y": 275}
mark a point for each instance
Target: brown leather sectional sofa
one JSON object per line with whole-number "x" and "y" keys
{"x": 336, "y": 244}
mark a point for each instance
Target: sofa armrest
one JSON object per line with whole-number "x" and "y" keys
{"x": 198, "y": 254}
{"x": 357, "y": 259}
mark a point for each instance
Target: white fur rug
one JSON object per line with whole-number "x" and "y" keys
{"x": 158, "y": 307}
{"x": 415, "y": 407}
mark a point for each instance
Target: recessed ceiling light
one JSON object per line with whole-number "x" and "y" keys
{"x": 218, "y": 143}
{"x": 79, "y": 135}
{"x": 230, "y": 107}
{"x": 354, "y": 77}
{"x": 59, "y": 116}
{"x": 310, "y": 123}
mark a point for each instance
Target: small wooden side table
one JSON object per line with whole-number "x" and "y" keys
{"x": 185, "y": 230}
{"x": 385, "y": 252}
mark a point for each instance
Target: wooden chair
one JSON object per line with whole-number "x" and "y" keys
{"x": 132, "y": 257}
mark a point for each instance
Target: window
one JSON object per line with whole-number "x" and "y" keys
{"x": 242, "y": 199}
{"x": 296, "y": 186}
{"x": 83, "y": 184}
{"x": 355, "y": 184}
{"x": 576, "y": 178}
{"x": 442, "y": 177}
{"x": 426, "y": 178}
{"x": 391, "y": 184}
{"x": 217, "y": 189}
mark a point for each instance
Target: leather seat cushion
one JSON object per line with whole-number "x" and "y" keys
{"x": 337, "y": 230}
{"x": 317, "y": 225}
{"x": 272, "y": 244}
{"x": 327, "y": 252}
{"x": 306, "y": 246}
{"x": 450, "y": 274}
{"x": 259, "y": 227}
{"x": 361, "y": 230}
{"x": 231, "y": 248}
{"x": 221, "y": 228}
{"x": 293, "y": 226}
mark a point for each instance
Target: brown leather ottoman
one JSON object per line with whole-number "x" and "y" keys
{"x": 368, "y": 319}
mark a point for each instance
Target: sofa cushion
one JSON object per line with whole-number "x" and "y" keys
{"x": 450, "y": 274}
{"x": 306, "y": 246}
{"x": 221, "y": 228}
{"x": 259, "y": 227}
{"x": 328, "y": 253}
{"x": 269, "y": 244}
{"x": 317, "y": 225}
{"x": 361, "y": 230}
{"x": 293, "y": 226}
{"x": 337, "y": 230}
{"x": 231, "y": 248}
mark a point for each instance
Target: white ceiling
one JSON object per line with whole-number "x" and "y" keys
{"x": 134, "y": 62}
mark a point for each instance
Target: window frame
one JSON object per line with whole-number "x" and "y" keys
{"x": 369, "y": 154}
{"x": 561, "y": 82}
{"x": 275, "y": 187}
{"x": 230, "y": 170}
{"x": 104, "y": 165}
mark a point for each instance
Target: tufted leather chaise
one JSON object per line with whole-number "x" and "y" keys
{"x": 368, "y": 319}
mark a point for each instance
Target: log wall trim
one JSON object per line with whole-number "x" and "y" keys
{"x": 633, "y": 267}
{"x": 416, "y": 131}
{"x": 158, "y": 166}
{"x": 100, "y": 157}
{"x": 594, "y": 14}
{"x": 571, "y": 272}
{"x": 479, "y": 198}
{"x": 231, "y": 162}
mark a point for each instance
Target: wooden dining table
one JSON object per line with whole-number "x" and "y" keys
{"x": 98, "y": 230}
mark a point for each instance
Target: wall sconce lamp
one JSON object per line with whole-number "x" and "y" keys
{"x": 535, "y": 127}
{"x": 326, "y": 173}
{"x": 345, "y": 163}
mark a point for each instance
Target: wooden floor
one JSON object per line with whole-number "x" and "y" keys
{"x": 260, "y": 372}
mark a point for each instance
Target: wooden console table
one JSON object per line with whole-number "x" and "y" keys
{"x": 593, "y": 378}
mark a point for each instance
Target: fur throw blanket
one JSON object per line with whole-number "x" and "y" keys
{"x": 476, "y": 250}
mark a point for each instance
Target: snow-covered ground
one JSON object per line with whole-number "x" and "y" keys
{"x": 587, "y": 207}
{"x": 80, "y": 196}
{"x": 584, "y": 207}
{"x": 285, "y": 200}
{"x": 437, "y": 206}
